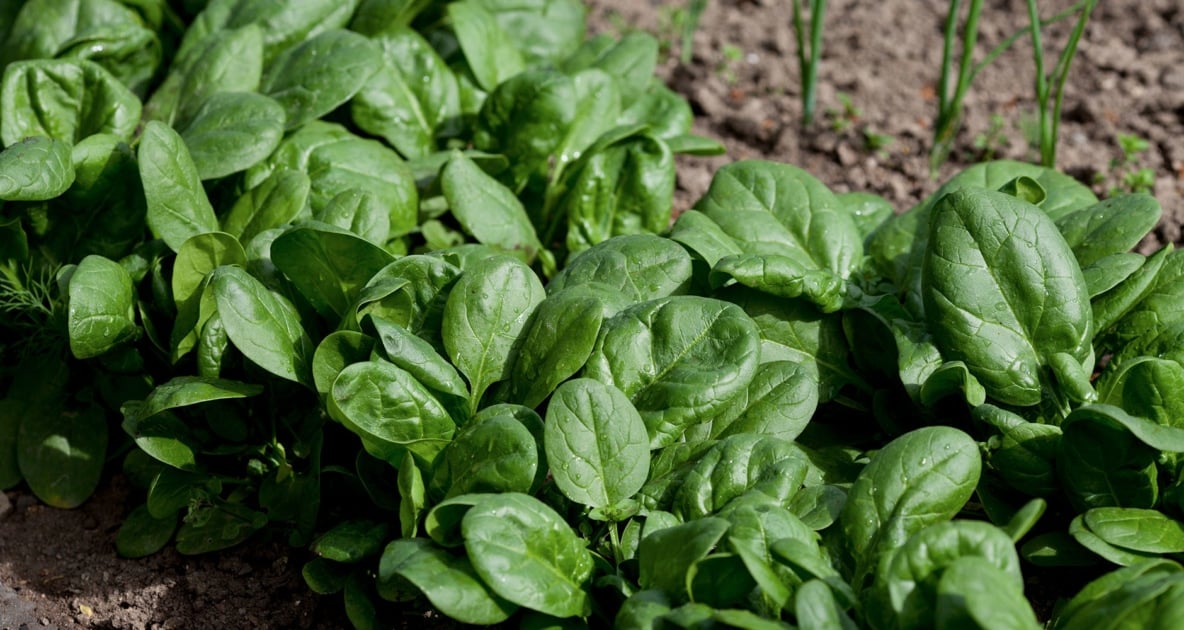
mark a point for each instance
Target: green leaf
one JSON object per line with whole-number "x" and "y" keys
{"x": 596, "y": 443}
{"x": 1003, "y": 293}
{"x": 336, "y": 351}
{"x": 1103, "y": 461}
{"x": 217, "y": 527}
{"x": 417, "y": 356}
{"x": 667, "y": 555}
{"x": 59, "y": 99}
{"x": 182, "y": 391}
{"x": 972, "y": 593}
{"x": 487, "y": 455}
{"x": 177, "y": 204}
{"x": 678, "y": 359}
{"x": 390, "y": 411}
{"x": 641, "y": 266}
{"x": 264, "y": 326}
{"x": 552, "y": 567}
{"x": 487, "y": 210}
{"x": 101, "y": 307}
{"x": 325, "y": 577}
{"x": 487, "y": 47}
{"x": 61, "y": 454}
{"x": 142, "y": 534}
{"x": 921, "y": 478}
{"x": 231, "y": 132}
{"x": 313, "y": 77}
{"x": 1148, "y": 531}
{"x": 412, "y": 497}
{"x": 352, "y": 541}
{"x": 271, "y": 204}
{"x": 555, "y": 343}
{"x": 447, "y": 580}
{"x": 35, "y": 169}
{"x": 483, "y": 317}
{"x": 414, "y": 97}
{"x": 197, "y": 257}
{"x": 328, "y": 267}
{"x": 733, "y": 466}
{"x": 1113, "y": 226}
{"x": 229, "y": 60}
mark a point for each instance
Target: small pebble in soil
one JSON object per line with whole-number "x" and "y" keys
{"x": 5, "y": 506}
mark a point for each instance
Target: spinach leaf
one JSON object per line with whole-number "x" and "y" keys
{"x": 597, "y": 443}
{"x": 487, "y": 48}
{"x": 231, "y": 132}
{"x": 66, "y": 99}
{"x": 447, "y": 580}
{"x": 493, "y": 454}
{"x": 642, "y": 266}
{"x": 264, "y": 326}
{"x": 918, "y": 479}
{"x": 735, "y": 465}
{"x": 35, "y": 169}
{"x": 554, "y": 567}
{"x": 413, "y": 99}
{"x": 313, "y": 77}
{"x": 483, "y": 317}
{"x": 556, "y": 342}
{"x": 328, "y": 266}
{"x": 780, "y": 401}
{"x": 271, "y": 204}
{"x": 390, "y": 411}
{"x": 101, "y": 307}
{"x": 487, "y": 210}
{"x": 61, "y": 454}
{"x": 1003, "y": 293}
{"x": 1113, "y": 226}
{"x": 678, "y": 359}
{"x": 177, "y": 204}
{"x": 972, "y": 593}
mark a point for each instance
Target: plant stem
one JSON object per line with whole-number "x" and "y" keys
{"x": 949, "y": 110}
{"x": 1060, "y": 76}
{"x": 694, "y": 12}
{"x": 808, "y": 56}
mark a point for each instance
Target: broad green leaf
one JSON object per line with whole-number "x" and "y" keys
{"x": 143, "y": 534}
{"x": 1104, "y": 461}
{"x": 101, "y": 307}
{"x": 231, "y": 132}
{"x": 177, "y": 204}
{"x": 487, "y": 210}
{"x": 1146, "y": 387}
{"x": 781, "y": 276}
{"x": 336, "y": 351}
{"x": 487, "y": 48}
{"x": 487, "y": 455}
{"x": 667, "y": 555}
{"x": 313, "y": 77}
{"x": 1025, "y": 454}
{"x": 1003, "y": 293}
{"x": 390, "y": 411}
{"x": 447, "y": 580}
{"x": 735, "y": 465}
{"x": 642, "y": 266}
{"x": 483, "y": 317}
{"x": 182, "y": 391}
{"x": 443, "y": 521}
{"x": 552, "y": 567}
{"x": 173, "y": 490}
{"x": 526, "y": 119}
{"x": 777, "y": 209}
{"x": 271, "y": 204}
{"x": 230, "y": 60}
{"x": 412, "y": 497}
{"x": 410, "y": 292}
{"x": 354, "y": 211}
{"x": 328, "y": 266}
{"x": 264, "y": 326}
{"x": 35, "y": 169}
{"x": 1149, "y": 301}
{"x": 621, "y": 184}
{"x": 418, "y": 357}
{"x": 217, "y": 527}
{"x": 66, "y": 100}
{"x": 1113, "y": 226}
{"x": 669, "y": 117}
{"x": 1107, "y": 272}
{"x": 413, "y": 99}
{"x": 545, "y": 31}
{"x": 1096, "y": 601}
{"x": 325, "y": 577}
{"x": 911, "y": 575}
{"x": 921, "y": 478}
{"x": 972, "y": 593}
{"x": 1091, "y": 541}
{"x": 61, "y": 454}
{"x": 352, "y": 541}
{"x": 596, "y": 443}
{"x": 1148, "y": 531}
{"x": 555, "y": 343}
{"x": 678, "y": 359}
{"x": 197, "y": 257}
{"x": 164, "y": 436}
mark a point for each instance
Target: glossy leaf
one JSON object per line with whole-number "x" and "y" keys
{"x": 596, "y": 443}
{"x": 447, "y": 580}
{"x": 55, "y": 98}
{"x": 313, "y": 77}
{"x": 231, "y": 132}
{"x": 262, "y": 325}
{"x": 101, "y": 308}
{"x": 35, "y": 169}
{"x": 177, "y": 204}
{"x": 61, "y": 454}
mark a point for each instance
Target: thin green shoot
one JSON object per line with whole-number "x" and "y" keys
{"x": 1050, "y": 89}
{"x": 690, "y": 24}
{"x": 808, "y": 55}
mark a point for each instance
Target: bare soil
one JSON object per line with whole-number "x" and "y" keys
{"x": 876, "y": 104}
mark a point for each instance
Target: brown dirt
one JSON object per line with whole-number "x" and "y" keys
{"x": 58, "y": 567}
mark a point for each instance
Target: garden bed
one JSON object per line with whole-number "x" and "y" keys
{"x": 876, "y": 103}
